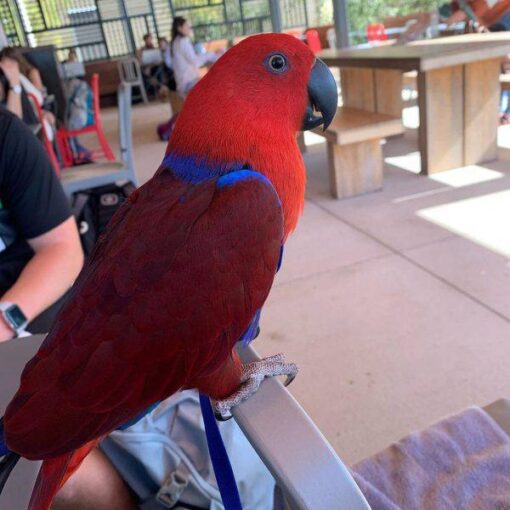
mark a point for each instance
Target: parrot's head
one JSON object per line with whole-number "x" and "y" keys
{"x": 248, "y": 109}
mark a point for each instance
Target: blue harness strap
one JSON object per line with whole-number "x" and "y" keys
{"x": 3, "y": 447}
{"x": 219, "y": 457}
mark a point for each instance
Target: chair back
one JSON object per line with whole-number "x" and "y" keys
{"x": 129, "y": 70}
{"x": 313, "y": 40}
{"x": 94, "y": 85}
{"x": 376, "y": 32}
{"x": 44, "y": 135}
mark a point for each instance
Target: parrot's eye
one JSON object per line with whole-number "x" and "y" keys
{"x": 277, "y": 63}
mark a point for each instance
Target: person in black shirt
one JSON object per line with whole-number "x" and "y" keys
{"x": 40, "y": 250}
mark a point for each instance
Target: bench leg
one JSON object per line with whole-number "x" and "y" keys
{"x": 355, "y": 169}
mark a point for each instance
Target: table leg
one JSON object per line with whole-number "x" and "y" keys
{"x": 441, "y": 102}
{"x": 481, "y": 100}
{"x": 388, "y": 91}
{"x": 358, "y": 88}
{"x": 372, "y": 90}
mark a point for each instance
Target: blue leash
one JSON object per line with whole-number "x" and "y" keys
{"x": 219, "y": 457}
{"x": 3, "y": 447}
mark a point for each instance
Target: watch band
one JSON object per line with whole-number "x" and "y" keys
{"x": 14, "y": 318}
{"x": 16, "y": 88}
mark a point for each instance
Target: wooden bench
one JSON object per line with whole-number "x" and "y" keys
{"x": 354, "y": 150}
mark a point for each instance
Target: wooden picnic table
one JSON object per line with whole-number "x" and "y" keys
{"x": 458, "y": 92}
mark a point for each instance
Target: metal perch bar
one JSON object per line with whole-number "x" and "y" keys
{"x": 303, "y": 463}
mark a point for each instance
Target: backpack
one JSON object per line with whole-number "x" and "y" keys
{"x": 93, "y": 208}
{"x": 165, "y": 461}
{"x": 80, "y": 107}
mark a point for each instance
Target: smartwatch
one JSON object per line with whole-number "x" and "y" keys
{"x": 16, "y": 89}
{"x": 14, "y": 318}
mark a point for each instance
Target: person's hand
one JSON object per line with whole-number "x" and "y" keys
{"x": 6, "y": 333}
{"x": 11, "y": 70}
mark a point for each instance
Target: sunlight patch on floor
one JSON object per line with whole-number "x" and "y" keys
{"x": 483, "y": 220}
{"x": 313, "y": 139}
{"x": 466, "y": 176}
{"x": 410, "y": 162}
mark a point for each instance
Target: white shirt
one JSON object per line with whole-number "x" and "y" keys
{"x": 186, "y": 63}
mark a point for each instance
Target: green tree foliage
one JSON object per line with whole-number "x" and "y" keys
{"x": 364, "y": 12}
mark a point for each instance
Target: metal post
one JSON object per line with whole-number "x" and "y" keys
{"x": 276, "y": 15}
{"x": 340, "y": 13}
{"x": 3, "y": 37}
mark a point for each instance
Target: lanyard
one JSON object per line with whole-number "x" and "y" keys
{"x": 222, "y": 468}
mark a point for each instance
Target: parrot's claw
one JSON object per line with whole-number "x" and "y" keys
{"x": 252, "y": 376}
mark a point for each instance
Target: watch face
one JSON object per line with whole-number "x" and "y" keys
{"x": 15, "y": 316}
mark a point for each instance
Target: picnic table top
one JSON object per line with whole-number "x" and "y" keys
{"x": 423, "y": 55}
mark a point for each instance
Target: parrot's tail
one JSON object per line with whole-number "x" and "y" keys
{"x": 9, "y": 459}
{"x": 54, "y": 473}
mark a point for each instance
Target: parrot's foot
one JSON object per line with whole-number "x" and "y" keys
{"x": 252, "y": 375}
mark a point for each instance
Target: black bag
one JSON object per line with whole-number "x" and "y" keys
{"x": 93, "y": 209}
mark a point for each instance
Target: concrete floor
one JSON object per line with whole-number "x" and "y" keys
{"x": 396, "y": 304}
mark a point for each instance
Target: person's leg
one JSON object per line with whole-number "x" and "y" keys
{"x": 95, "y": 486}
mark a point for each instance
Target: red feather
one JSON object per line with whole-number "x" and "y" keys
{"x": 240, "y": 112}
{"x": 168, "y": 292}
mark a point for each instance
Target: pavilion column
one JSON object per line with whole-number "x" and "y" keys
{"x": 340, "y": 14}
{"x": 276, "y": 15}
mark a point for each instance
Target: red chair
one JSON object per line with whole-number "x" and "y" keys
{"x": 376, "y": 32}
{"x": 44, "y": 134}
{"x": 313, "y": 40}
{"x": 63, "y": 134}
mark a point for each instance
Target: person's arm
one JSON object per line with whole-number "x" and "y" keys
{"x": 48, "y": 275}
{"x": 11, "y": 70}
{"x": 187, "y": 49}
{"x": 492, "y": 15}
{"x": 35, "y": 77}
{"x": 40, "y": 212}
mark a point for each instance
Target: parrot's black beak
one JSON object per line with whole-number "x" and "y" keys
{"x": 322, "y": 97}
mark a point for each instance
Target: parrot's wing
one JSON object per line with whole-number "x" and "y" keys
{"x": 171, "y": 287}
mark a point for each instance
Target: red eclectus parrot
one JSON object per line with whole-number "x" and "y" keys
{"x": 182, "y": 270}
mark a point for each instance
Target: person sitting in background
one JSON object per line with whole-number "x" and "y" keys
{"x": 152, "y": 71}
{"x": 491, "y": 15}
{"x": 481, "y": 15}
{"x": 167, "y": 66}
{"x": 164, "y": 47}
{"x": 186, "y": 62}
{"x": 12, "y": 95}
{"x": 27, "y": 70}
{"x": 72, "y": 56}
{"x": 31, "y": 83}
{"x": 40, "y": 250}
